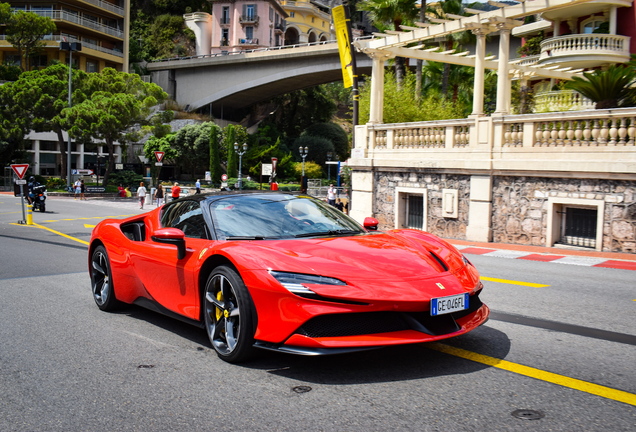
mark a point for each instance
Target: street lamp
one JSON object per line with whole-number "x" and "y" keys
{"x": 303, "y": 153}
{"x": 70, "y": 47}
{"x": 236, "y": 149}
{"x": 329, "y": 155}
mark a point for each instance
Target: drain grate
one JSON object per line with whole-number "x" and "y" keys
{"x": 145, "y": 366}
{"x": 301, "y": 389}
{"x": 527, "y": 414}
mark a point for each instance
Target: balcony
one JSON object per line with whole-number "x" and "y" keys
{"x": 585, "y": 50}
{"x": 247, "y": 42}
{"x": 64, "y": 16}
{"x": 565, "y": 100}
{"x": 280, "y": 28}
{"x": 108, "y": 6}
{"x": 249, "y": 20}
{"x": 58, "y": 38}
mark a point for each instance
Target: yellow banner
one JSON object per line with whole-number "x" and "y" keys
{"x": 344, "y": 45}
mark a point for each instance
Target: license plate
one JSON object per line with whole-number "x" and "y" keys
{"x": 444, "y": 305}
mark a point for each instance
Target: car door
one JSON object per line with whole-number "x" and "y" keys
{"x": 170, "y": 281}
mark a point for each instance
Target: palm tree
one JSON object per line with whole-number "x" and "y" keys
{"x": 391, "y": 12}
{"x": 611, "y": 88}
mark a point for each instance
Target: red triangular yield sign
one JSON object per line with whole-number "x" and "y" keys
{"x": 20, "y": 169}
{"x": 159, "y": 155}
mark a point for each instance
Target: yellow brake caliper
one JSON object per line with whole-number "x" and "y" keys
{"x": 219, "y": 312}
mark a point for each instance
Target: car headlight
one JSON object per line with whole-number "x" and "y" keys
{"x": 293, "y": 282}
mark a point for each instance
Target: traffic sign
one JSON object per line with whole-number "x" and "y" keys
{"x": 158, "y": 163}
{"x": 20, "y": 169}
{"x": 224, "y": 177}
{"x": 274, "y": 162}
{"x": 85, "y": 172}
{"x": 22, "y": 181}
{"x": 159, "y": 155}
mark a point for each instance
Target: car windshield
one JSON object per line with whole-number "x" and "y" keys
{"x": 278, "y": 216}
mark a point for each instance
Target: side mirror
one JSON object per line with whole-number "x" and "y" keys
{"x": 171, "y": 236}
{"x": 371, "y": 223}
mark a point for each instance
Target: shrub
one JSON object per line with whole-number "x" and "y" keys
{"x": 312, "y": 170}
{"x": 334, "y": 133}
{"x": 318, "y": 148}
{"x": 125, "y": 178}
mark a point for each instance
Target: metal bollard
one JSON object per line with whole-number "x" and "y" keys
{"x": 29, "y": 214}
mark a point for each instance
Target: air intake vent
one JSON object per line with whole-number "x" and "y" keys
{"x": 439, "y": 261}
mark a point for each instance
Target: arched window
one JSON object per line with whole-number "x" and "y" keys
{"x": 592, "y": 23}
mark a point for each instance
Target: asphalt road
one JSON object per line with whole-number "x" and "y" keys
{"x": 65, "y": 365}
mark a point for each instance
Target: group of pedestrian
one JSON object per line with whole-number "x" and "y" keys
{"x": 336, "y": 202}
{"x": 80, "y": 189}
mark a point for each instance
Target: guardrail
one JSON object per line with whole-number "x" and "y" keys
{"x": 278, "y": 48}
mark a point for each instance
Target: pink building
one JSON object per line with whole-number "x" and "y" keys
{"x": 238, "y": 25}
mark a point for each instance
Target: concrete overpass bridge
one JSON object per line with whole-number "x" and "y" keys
{"x": 239, "y": 80}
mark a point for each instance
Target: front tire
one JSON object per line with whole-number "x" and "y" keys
{"x": 42, "y": 208}
{"x": 101, "y": 280}
{"x": 228, "y": 315}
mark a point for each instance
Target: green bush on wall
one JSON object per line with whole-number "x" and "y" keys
{"x": 126, "y": 178}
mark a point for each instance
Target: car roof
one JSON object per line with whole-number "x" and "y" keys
{"x": 213, "y": 196}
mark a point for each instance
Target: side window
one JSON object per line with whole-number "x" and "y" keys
{"x": 187, "y": 217}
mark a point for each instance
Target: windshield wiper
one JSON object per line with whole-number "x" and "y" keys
{"x": 249, "y": 238}
{"x": 328, "y": 233}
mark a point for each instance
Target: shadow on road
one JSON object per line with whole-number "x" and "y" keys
{"x": 400, "y": 363}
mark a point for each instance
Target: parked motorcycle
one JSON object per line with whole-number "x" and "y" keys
{"x": 39, "y": 198}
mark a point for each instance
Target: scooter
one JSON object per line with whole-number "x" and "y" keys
{"x": 39, "y": 197}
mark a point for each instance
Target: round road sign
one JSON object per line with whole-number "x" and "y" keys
{"x": 224, "y": 177}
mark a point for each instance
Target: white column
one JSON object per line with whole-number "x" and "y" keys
{"x": 478, "y": 91}
{"x": 557, "y": 27}
{"x": 612, "y": 20}
{"x": 503, "y": 80}
{"x": 36, "y": 156}
{"x": 377, "y": 88}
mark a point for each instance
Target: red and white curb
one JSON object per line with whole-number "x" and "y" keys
{"x": 559, "y": 259}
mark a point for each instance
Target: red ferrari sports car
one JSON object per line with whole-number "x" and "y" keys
{"x": 285, "y": 272}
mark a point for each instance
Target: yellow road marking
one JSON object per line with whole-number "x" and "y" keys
{"x": 52, "y": 220}
{"x": 89, "y": 226}
{"x": 511, "y": 282}
{"x": 68, "y": 219}
{"x": 9, "y": 212}
{"x": 584, "y": 386}
{"x": 61, "y": 234}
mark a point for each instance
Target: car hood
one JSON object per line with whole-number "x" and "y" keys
{"x": 403, "y": 259}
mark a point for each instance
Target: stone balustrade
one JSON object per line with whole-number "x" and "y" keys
{"x": 564, "y": 100}
{"x": 559, "y": 48}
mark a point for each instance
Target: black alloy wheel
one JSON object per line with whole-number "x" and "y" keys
{"x": 228, "y": 315}
{"x": 101, "y": 280}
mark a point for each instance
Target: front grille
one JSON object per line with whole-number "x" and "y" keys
{"x": 356, "y": 324}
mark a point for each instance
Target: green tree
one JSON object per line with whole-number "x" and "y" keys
{"x": 335, "y": 134}
{"x": 41, "y": 96}
{"x": 298, "y": 110}
{"x": 5, "y": 13}
{"x": 401, "y": 105}
{"x": 395, "y": 13}
{"x": 312, "y": 170}
{"x": 118, "y": 101}
{"x": 14, "y": 126}
{"x": 611, "y": 88}
{"x": 193, "y": 144}
{"x": 25, "y": 31}
{"x": 318, "y": 148}
{"x": 215, "y": 154}
{"x": 164, "y": 144}
{"x": 229, "y": 134}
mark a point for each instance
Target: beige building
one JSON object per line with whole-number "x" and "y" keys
{"x": 564, "y": 178}
{"x": 100, "y": 25}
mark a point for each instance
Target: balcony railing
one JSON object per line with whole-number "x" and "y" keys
{"x": 59, "y": 38}
{"x": 584, "y": 44}
{"x": 243, "y": 41}
{"x": 526, "y": 61}
{"x": 249, "y": 19}
{"x": 75, "y": 19}
{"x": 224, "y": 20}
{"x": 565, "y": 100}
{"x": 108, "y": 6}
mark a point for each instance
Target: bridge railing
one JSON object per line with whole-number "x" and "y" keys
{"x": 278, "y": 48}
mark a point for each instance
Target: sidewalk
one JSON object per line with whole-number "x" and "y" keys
{"x": 580, "y": 257}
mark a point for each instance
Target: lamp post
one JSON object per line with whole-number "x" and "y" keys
{"x": 329, "y": 155}
{"x": 70, "y": 47}
{"x": 303, "y": 153}
{"x": 236, "y": 149}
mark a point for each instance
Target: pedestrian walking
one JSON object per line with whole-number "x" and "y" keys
{"x": 141, "y": 193}
{"x": 159, "y": 195}
{"x": 198, "y": 186}
{"x": 339, "y": 205}
{"x": 176, "y": 191}
{"x": 331, "y": 195}
{"x": 82, "y": 191}
{"x": 77, "y": 186}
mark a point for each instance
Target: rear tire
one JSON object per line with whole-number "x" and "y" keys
{"x": 101, "y": 280}
{"x": 228, "y": 316}
{"x": 42, "y": 208}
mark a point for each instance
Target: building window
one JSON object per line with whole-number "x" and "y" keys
{"x": 91, "y": 66}
{"x": 249, "y": 32}
{"x": 410, "y": 208}
{"x": 48, "y": 145}
{"x": 589, "y": 25}
{"x": 312, "y": 19}
{"x": 225, "y": 17}
{"x": 575, "y": 222}
{"x": 292, "y": 14}
{"x": 323, "y": 23}
{"x": 225, "y": 36}
{"x": 271, "y": 13}
{"x": 250, "y": 11}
